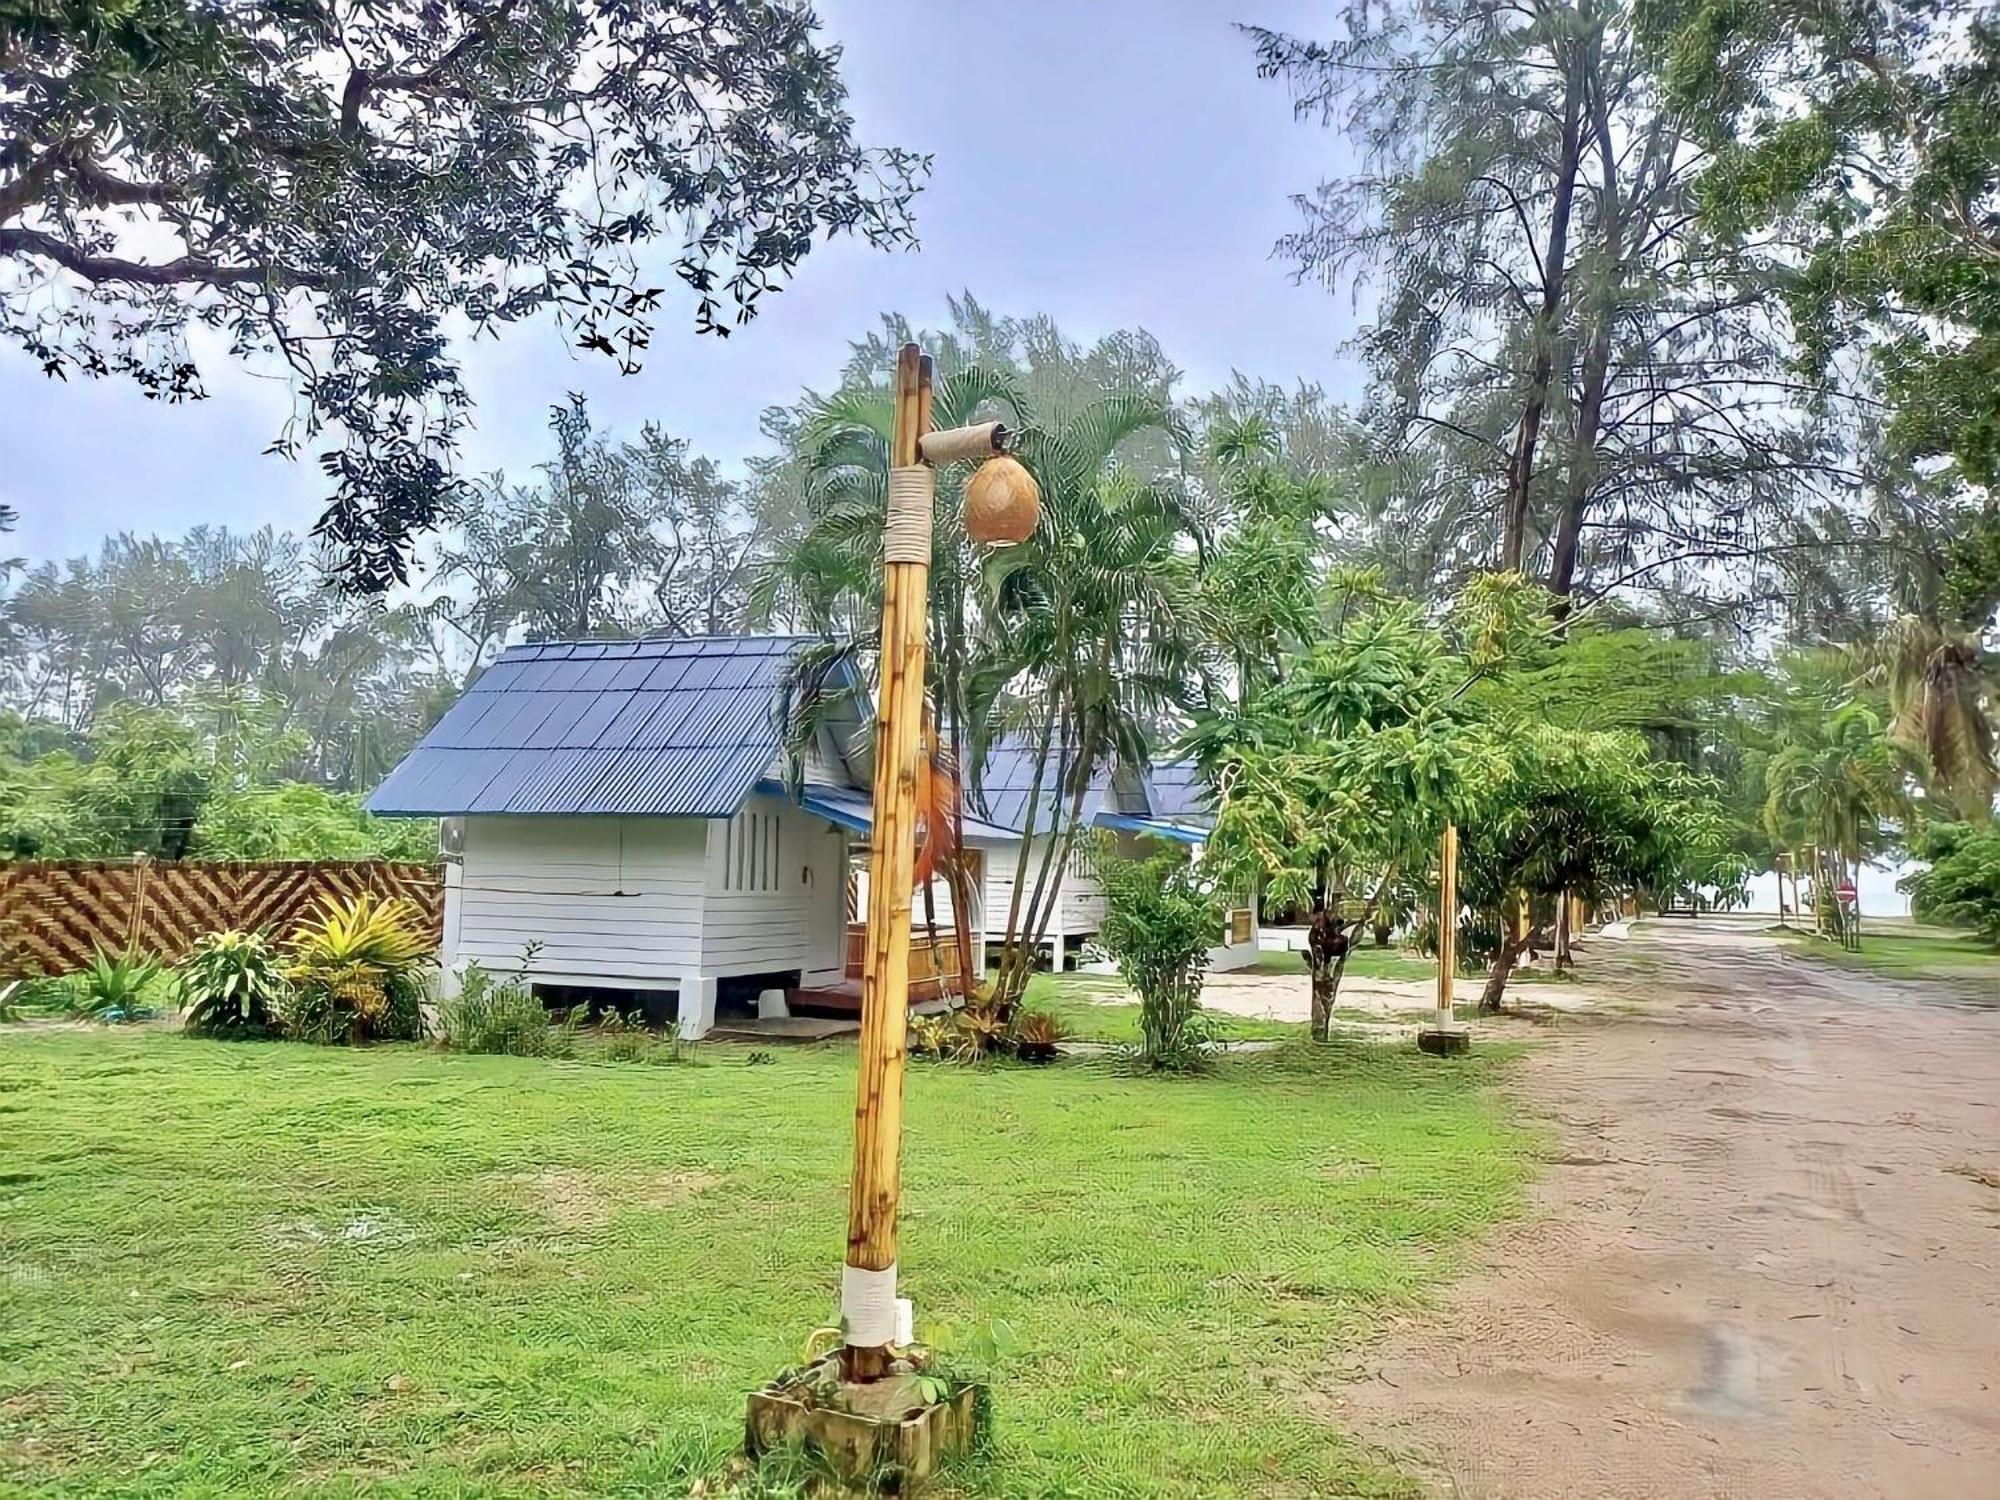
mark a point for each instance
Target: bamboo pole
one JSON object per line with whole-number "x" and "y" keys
{"x": 1447, "y": 922}
{"x": 868, "y": 1284}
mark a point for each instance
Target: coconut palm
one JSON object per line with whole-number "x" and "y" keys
{"x": 1838, "y": 782}
{"x": 1942, "y": 693}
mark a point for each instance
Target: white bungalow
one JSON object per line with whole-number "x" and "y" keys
{"x": 1142, "y": 808}
{"x": 623, "y": 826}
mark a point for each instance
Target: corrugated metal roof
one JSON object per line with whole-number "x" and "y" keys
{"x": 662, "y": 728}
{"x": 1009, "y": 773}
{"x": 853, "y": 809}
{"x": 1181, "y": 793}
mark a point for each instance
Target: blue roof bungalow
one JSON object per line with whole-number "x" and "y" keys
{"x": 621, "y": 824}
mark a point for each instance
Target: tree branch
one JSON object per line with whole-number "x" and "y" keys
{"x": 188, "y": 270}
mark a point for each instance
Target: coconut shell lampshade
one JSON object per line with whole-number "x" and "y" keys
{"x": 1002, "y": 503}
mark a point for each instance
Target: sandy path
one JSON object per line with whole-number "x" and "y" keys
{"x": 1766, "y": 1260}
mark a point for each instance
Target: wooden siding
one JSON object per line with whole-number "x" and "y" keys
{"x": 606, "y": 898}
{"x": 1079, "y": 905}
{"x": 752, "y": 926}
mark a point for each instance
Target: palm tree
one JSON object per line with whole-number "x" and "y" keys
{"x": 1093, "y": 635}
{"x": 1076, "y": 638}
{"x": 1837, "y": 782}
{"x": 1942, "y": 691}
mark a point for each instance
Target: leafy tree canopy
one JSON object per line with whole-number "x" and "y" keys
{"x": 341, "y": 191}
{"x": 1864, "y": 138}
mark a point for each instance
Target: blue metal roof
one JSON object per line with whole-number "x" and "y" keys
{"x": 1180, "y": 792}
{"x": 1159, "y": 828}
{"x": 659, "y": 728}
{"x": 854, "y": 810}
{"x": 1008, "y": 776}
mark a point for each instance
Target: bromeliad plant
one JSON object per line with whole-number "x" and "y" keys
{"x": 232, "y": 985}
{"x": 356, "y": 972}
{"x": 115, "y": 988}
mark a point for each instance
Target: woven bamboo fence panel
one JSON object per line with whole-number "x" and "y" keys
{"x": 54, "y": 914}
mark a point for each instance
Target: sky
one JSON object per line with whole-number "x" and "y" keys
{"x": 1114, "y": 163}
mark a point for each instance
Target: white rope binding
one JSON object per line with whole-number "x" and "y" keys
{"x": 906, "y": 538}
{"x": 868, "y": 1306}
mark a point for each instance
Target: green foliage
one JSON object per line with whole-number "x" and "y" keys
{"x": 356, "y": 973}
{"x": 339, "y": 206}
{"x": 1865, "y": 136}
{"x": 1838, "y": 781}
{"x": 232, "y": 984}
{"x": 501, "y": 1014}
{"x": 137, "y": 784}
{"x": 199, "y": 779}
{"x": 292, "y": 820}
{"x": 117, "y": 987}
{"x": 1160, "y": 920}
{"x": 1962, "y": 886}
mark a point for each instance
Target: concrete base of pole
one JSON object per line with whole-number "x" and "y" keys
{"x": 1444, "y": 1041}
{"x": 889, "y": 1436}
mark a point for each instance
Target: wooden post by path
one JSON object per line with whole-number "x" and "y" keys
{"x": 1444, "y": 1034}
{"x": 868, "y": 1284}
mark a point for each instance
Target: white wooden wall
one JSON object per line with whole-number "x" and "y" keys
{"x": 645, "y": 903}
{"x": 774, "y": 896}
{"x": 608, "y": 899}
{"x": 1079, "y": 907}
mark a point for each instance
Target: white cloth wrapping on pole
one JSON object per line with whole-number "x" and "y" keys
{"x": 906, "y": 538}
{"x": 868, "y": 1306}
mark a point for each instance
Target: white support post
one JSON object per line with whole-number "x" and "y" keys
{"x": 697, "y": 1007}
{"x": 1056, "y": 952}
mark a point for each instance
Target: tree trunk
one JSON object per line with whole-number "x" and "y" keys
{"x": 1564, "y": 958}
{"x": 1495, "y": 992}
{"x": 1521, "y": 466}
{"x": 1581, "y": 479}
{"x": 1326, "y": 950}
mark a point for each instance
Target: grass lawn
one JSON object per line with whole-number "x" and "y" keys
{"x": 1098, "y": 1008}
{"x": 1910, "y": 950}
{"x": 1368, "y": 962}
{"x": 255, "y": 1269}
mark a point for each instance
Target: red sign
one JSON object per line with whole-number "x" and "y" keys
{"x": 1845, "y": 890}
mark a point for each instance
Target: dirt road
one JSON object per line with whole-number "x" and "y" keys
{"x": 1765, "y": 1259}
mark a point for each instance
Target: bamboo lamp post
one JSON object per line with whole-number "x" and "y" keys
{"x": 1445, "y": 1035}
{"x": 1001, "y": 506}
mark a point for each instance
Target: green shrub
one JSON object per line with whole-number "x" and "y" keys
{"x": 500, "y": 1014}
{"x": 1962, "y": 886}
{"x": 232, "y": 985}
{"x": 618, "y": 1040}
{"x": 1159, "y": 922}
{"x": 116, "y": 988}
{"x": 356, "y": 973}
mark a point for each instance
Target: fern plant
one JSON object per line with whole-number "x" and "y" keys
{"x": 232, "y": 984}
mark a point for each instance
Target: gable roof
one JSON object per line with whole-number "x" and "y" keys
{"x": 1181, "y": 793}
{"x": 659, "y": 728}
{"x": 1116, "y": 790}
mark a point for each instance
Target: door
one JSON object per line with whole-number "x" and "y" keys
{"x": 826, "y": 923}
